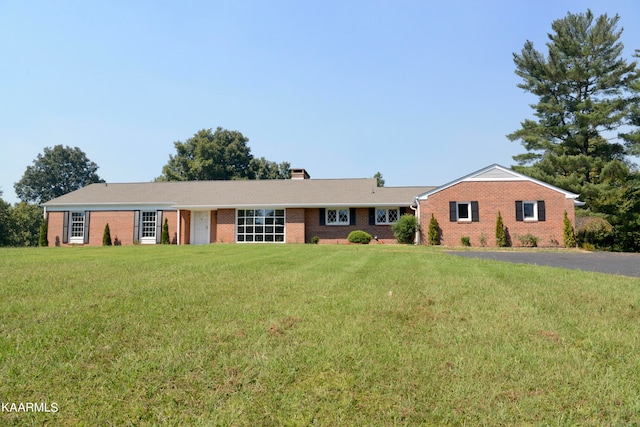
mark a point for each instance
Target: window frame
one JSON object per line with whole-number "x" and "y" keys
{"x": 337, "y": 211}
{"x": 469, "y": 214}
{"x": 145, "y": 227}
{"x": 386, "y": 216}
{"x": 76, "y": 228}
{"x": 534, "y": 207}
{"x": 261, "y": 225}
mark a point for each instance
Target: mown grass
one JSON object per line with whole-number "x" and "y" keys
{"x": 313, "y": 335}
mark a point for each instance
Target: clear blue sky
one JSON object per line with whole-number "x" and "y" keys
{"x": 422, "y": 91}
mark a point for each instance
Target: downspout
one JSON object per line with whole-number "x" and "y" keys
{"x": 417, "y": 213}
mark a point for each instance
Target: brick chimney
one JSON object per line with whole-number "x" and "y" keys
{"x": 299, "y": 174}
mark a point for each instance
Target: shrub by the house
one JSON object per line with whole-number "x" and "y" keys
{"x": 433, "y": 234}
{"x": 465, "y": 241}
{"x": 528, "y": 240}
{"x": 569, "y": 237}
{"x": 359, "y": 236}
{"x": 164, "y": 238}
{"x": 405, "y": 228}
{"x": 106, "y": 236}
{"x": 501, "y": 234}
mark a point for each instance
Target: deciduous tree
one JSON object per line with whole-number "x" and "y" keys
{"x": 59, "y": 170}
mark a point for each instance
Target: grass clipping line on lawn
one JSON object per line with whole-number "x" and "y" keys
{"x": 312, "y": 334}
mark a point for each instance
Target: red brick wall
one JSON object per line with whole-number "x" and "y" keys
{"x": 120, "y": 226}
{"x": 54, "y": 228}
{"x": 339, "y": 233}
{"x": 295, "y": 225}
{"x": 226, "y": 226}
{"x": 493, "y": 197}
{"x": 185, "y": 227}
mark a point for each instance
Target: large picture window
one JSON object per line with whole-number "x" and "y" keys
{"x": 260, "y": 225}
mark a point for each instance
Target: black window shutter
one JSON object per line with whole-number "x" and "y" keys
{"x": 86, "y": 226}
{"x": 65, "y": 227}
{"x": 352, "y": 216}
{"x": 542, "y": 214}
{"x": 475, "y": 214}
{"x": 136, "y": 226}
{"x": 403, "y": 210}
{"x": 159, "y": 227}
{"x": 453, "y": 215}
{"x": 519, "y": 213}
{"x": 372, "y": 216}
{"x": 322, "y": 215}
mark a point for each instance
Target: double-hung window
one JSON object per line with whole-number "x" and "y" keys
{"x": 148, "y": 227}
{"x": 76, "y": 227}
{"x": 386, "y": 216}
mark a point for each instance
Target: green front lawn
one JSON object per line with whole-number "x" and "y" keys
{"x": 312, "y": 335}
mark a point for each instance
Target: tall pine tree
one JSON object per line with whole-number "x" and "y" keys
{"x": 587, "y": 93}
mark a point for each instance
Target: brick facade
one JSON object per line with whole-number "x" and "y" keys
{"x": 487, "y": 192}
{"x": 339, "y": 233}
{"x": 493, "y": 197}
{"x": 226, "y": 232}
{"x": 121, "y": 227}
{"x": 295, "y": 225}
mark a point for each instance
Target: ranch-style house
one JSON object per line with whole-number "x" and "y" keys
{"x": 298, "y": 209}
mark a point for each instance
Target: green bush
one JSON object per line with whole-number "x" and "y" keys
{"x": 433, "y": 234}
{"x": 596, "y": 231}
{"x": 465, "y": 241}
{"x": 405, "y": 229}
{"x": 359, "y": 236}
{"x": 164, "y": 237}
{"x": 501, "y": 234}
{"x": 106, "y": 236}
{"x": 42, "y": 238}
{"x": 315, "y": 240}
{"x": 569, "y": 237}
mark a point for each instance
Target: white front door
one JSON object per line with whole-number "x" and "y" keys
{"x": 201, "y": 220}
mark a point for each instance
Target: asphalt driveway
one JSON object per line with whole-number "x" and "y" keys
{"x": 625, "y": 264}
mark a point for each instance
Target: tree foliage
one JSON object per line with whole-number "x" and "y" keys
{"x": 5, "y": 222}
{"x": 219, "y": 155}
{"x": 59, "y": 170}
{"x": 379, "y": 179}
{"x": 43, "y": 240}
{"x": 24, "y": 224}
{"x": 261, "y": 168}
{"x": 587, "y": 94}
